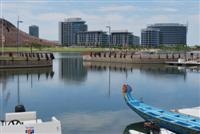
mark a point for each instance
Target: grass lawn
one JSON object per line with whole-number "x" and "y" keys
{"x": 83, "y": 49}
{"x": 54, "y": 49}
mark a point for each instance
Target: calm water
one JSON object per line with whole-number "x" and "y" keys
{"x": 81, "y": 96}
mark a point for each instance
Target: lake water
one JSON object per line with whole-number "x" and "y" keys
{"x": 86, "y": 101}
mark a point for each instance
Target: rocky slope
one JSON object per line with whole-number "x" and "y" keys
{"x": 9, "y": 35}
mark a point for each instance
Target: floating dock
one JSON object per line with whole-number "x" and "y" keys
{"x": 191, "y": 63}
{"x": 183, "y": 62}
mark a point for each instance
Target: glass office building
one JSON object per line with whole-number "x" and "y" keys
{"x": 92, "y": 38}
{"x": 171, "y": 33}
{"x": 34, "y": 31}
{"x": 136, "y": 40}
{"x": 150, "y": 37}
{"x": 68, "y": 30}
{"x": 123, "y": 38}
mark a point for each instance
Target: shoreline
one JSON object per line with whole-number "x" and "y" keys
{"x": 26, "y": 60}
{"x": 94, "y": 49}
{"x": 141, "y": 58}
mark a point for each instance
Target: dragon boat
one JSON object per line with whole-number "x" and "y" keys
{"x": 175, "y": 122}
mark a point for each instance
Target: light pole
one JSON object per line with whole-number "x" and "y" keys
{"x": 18, "y": 21}
{"x": 109, "y": 35}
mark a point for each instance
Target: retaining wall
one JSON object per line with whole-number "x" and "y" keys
{"x": 141, "y": 58}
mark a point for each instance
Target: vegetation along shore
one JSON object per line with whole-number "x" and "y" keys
{"x": 98, "y": 49}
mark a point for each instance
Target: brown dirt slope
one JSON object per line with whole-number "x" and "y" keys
{"x": 10, "y": 36}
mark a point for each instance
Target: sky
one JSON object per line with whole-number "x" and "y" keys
{"x": 131, "y": 15}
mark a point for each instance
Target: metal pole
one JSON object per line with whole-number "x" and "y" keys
{"x": 109, "y": 36}
{"x": 17, "y": 34}
{"x": 18, "y": 21}
{"x": 109, "y": 30}
{"x": 31, "y": 81}
{"x": 127, "y": 41}
{"x": 18, "y": 91}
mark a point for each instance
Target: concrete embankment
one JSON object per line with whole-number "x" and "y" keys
{"x": 139, "y": 58}
{"x": 26, "y": 60}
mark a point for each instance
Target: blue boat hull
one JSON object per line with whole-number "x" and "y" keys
{"x": 164, "y": 124}
{"x": 174, "y": 122}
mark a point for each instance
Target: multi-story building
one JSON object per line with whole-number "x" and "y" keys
{"x": 34, "y": 31}
{"x": 121, "y": 38}
{"x": 169, "y": 34}
{"x": 68, "y": 30}
{"x": 150, "y": 37}
{"x": 92, "y": 38}
{"x": 136, "y": 40}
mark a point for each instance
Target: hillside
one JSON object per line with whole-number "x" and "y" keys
{"x": 10, "y": 36}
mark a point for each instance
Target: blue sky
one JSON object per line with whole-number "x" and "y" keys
{"x": 132, "y": 15}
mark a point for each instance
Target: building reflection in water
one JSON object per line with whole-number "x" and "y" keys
{"x": 149, "y": 69}
{"x": 72, "y": 69}
{"x": 28, "y": 73}
{"x": 101, "y": 122}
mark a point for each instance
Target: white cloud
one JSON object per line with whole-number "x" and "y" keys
{"x": 51, "y": 16}
{"x": 117, "y": 8}
{"x": 160, "y": 19}
{"x": 194, "y": 29}
{"x": 118, "y": 16}
{"x": 169, "y": 9}
{"x": 158, "y": 10}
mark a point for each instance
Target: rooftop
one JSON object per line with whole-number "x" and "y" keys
{"x": 97, "y": 31}
{"x": 120, "y": 31}
{"x": 33, "y": 26}
{"x": 166, "y": 24}
{"x": 150, "y": 29}
{"x": 73, "y": 20}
